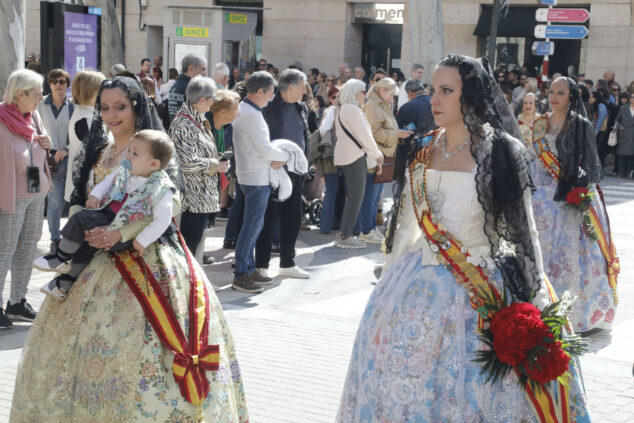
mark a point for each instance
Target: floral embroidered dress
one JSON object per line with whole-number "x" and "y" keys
{"x": 96, "y": 358}
{"x": 412, "y": 359}
{"x": 573, "y": 261}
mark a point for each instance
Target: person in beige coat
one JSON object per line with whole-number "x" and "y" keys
{"x": 385, "y": 131}
{"x": 354, "y": 143}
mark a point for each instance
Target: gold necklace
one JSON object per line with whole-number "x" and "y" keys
{"x": 114, "y": 154}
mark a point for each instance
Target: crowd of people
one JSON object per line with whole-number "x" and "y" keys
{"x": 482, "y": 162}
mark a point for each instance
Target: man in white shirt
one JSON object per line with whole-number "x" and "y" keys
{"x": 416, "y": 72}
{"x": 254, "y": 156}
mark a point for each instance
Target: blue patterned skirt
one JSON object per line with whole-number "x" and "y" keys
{"x": 412, "y": 357}
{"x": 573, "y": 261}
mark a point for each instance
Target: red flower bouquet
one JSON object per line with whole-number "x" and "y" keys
{"x": 580, "y": 198}
{"x": 530, "y": 342}
{"x": 577, "y": 196}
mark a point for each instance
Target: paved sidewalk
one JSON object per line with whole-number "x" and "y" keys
{"x": 295, "y": 339}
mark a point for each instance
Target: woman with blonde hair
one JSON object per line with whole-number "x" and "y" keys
{"x": 354, "y": 143}
{"x": 386, "y": 133}
{"x": 24, "y": 182}
{"x": 84, "y": 90}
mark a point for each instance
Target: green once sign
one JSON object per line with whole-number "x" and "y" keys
{"x": 191, "y": 32}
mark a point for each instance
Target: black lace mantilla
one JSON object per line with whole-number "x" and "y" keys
{"x": 502, "y": 177}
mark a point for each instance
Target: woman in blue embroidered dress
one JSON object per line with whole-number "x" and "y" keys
{"x": 96, "y": 357}
{"x": 412, "y": 360}
{"x": 574, "y": 261}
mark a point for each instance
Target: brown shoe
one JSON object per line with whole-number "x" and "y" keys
{"x": 259, "y": 278}
{"x": 245, "y": 284}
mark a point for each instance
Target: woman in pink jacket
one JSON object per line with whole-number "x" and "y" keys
{"x": 24, "y": 182}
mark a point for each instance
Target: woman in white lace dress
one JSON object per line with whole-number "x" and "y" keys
{"x": 413, "y": 356}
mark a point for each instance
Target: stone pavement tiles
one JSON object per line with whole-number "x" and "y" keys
{"x": 295, "y": 339}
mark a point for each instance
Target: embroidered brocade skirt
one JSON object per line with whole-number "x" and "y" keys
{"x": 95, "y": 357}
{"x": 572, "y": 261}
{"x": 412, "y": 357}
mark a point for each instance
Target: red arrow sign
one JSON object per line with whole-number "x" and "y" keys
{"x": 561, "y": 15}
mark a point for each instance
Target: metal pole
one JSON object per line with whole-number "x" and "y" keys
{"x": 493, "y": 33}
{"x": 546, "y": 60}
{"x": 123, "y": 29}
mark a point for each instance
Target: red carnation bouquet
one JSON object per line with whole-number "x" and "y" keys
{"x": 532, "y": 343}
{"x": 580, "y": 198}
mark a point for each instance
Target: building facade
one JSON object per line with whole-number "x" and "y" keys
{"x": 325, "y": 33}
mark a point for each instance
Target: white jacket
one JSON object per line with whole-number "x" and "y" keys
{"x": 296, "y": 163}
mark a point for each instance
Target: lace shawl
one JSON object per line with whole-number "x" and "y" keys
{"x": 502, "y": 177}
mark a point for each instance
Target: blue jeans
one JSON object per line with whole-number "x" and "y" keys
{"x": 327, "y": 219}
{"x": 367, "y": 216}
{"x": 256, "y": 199}
{"x": 235, "y": 216}
{"x": 56, "y": 200}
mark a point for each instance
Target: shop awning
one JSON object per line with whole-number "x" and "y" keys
{"x": 518, "y": 22}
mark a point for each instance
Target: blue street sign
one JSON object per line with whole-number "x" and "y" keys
{"x": 94, "y": 11}
{"x": 543, "y": 48}
{"x": 562, "y": 32}
{"x": 549, "y": 2}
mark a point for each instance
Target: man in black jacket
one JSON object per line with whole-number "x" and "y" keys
{"x": 191, "y": 66}
{"x": 417, "y": 110}
{"x": 286, "y": 117}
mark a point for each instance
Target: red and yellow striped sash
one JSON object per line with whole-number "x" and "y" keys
{"x": 549, "y": 405}
{"x": 193, "y": 356}
{"x": 604, "y": 240}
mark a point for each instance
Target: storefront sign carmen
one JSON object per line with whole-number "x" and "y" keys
{"x": 184, "y": 31}
{"x": 236, "y": 18}
{"x": 385, "y": 13}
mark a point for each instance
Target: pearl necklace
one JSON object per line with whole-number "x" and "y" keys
{"x": 446, "y": 156}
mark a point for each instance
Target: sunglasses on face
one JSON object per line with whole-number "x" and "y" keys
{"x": 329, "y": 80}
{"x": 616, "y": 89}
{"x": 58, "y": 81}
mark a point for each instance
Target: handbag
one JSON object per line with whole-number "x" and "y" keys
{"x": 612, "y": 139}
{"x": 387, "y": 175}
{"x": 50, "y": 160}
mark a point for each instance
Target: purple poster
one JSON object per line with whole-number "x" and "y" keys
{"x": 80, "y": 42}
